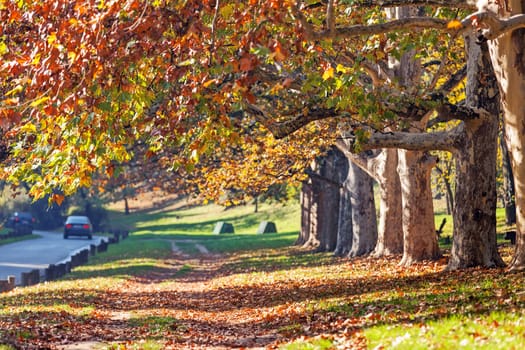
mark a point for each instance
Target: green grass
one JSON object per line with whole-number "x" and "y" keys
{"x": 444, "y": 242}
{"x": 201, "y": 220}
{"x": 317, "y": 344}
{"x": 154, "y": 324}
{"x": 131, "y": 257}
{"x": 197, "y": 224}
{"x": 491, "y": 331}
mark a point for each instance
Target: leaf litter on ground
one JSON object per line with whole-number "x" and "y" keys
{"x": 274, "y": 298}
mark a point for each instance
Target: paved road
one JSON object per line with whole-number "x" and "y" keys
{"x": 38, "y": 253}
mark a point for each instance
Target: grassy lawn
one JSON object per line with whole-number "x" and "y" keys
{"x": 258, "y": 291}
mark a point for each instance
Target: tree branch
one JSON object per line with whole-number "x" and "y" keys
{"x": 490, "y": 26}
{"x": 372, "y": 29}
{"x": 399, "y": 3}
{"x": 442, "y": 140}
{"x": 330, "y": 16}
{"x": 454, "y": 80}
{"x": 287, "y": 127}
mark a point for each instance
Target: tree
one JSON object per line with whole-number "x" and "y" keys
{"x": 357, "y": 223}
{"x": 320, "y": 204}
{"x": 382, "y": 166}
{"x": 503, "y": 25}
{"x": 359, "y": 187}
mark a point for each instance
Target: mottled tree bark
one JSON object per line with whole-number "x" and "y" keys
{"x": 474, "y": 239}
{"x": 420, "y": 240}
{"x": 508, "y": 58}
{"x": 508, "y": 183}
{"x": 390, "y": 230}
{"x": 382, "y": 167}
{"x": 345, "y": 224}
{"x": 320, "y": 222}
{"x": 306, "y": 212}
{"x": 363, "y": 212}
{"x": 414, "y": 167}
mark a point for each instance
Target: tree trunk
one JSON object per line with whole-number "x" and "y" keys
{"x": 508, "y": 57}
{"x": 420, "y": 240}
{"x": 414, "y": 167}
{"x": 312, "y": 230}
{"x": 474, "y": 239}
{"x": 306, "y": 212}
{"x": 328, "y": 218}
{"x": 345, "y": 224}
{"x": 323, "y": 218}
{"x": 126, "y": 206}
{"x": 508, "y": 183}
{"x": 363, "y": 212}
{"x": 382, "y": 167}
{"x": 390, "y": 230}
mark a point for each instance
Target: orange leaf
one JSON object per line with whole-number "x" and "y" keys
{"x": 246, "y": 64}
{"x": 455, "y": 24}
{"x": 58, "y": 198}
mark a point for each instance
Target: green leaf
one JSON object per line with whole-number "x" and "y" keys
{"x": 105, "y": 106}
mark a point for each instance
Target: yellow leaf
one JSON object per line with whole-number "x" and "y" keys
{"x": 72, "y": 55}
{"x": 85, "y": 181}
{"x": 341, "y": 69}
{"x": 454, "y": 24}
{"x": 52, "y": 38}
{"x": 329, "y": 73}
{"x": 208, "y": 83}
{"x": 276, "y": 88}
{"x": 16, "y": 90}
{"x": 28, "y": 128}
{"x": 39, "y": 101}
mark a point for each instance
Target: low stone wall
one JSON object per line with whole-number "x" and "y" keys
{"x": 8, "y": 284}
{"x": 55, "y": 271}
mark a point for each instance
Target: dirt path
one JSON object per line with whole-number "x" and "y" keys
{"x": 177, "y": 250}
{"x": 210, "y": 313}
{"x": 203, "y": 310}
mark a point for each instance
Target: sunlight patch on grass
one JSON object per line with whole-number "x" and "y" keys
{"x": 120, "y": 269}
{"x": 314, "y": 344}
{"x": 492, "y": 331}
{"x": 201, "y": 220}
{"x": 143, "y": 345}
{"x": 57, "y": 308}
{"x": 154, "y": 325}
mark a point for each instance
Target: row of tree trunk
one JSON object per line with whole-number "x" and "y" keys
{"x": 338, "y": 202}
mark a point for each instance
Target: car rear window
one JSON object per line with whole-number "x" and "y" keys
{"x": 77, "y": 220}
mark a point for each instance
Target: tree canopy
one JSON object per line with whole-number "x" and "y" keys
{"x": 84, "y": 80}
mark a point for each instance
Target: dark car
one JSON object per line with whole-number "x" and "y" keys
{"x": 78, "y": 226}
{"x": 21, "y": 223}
